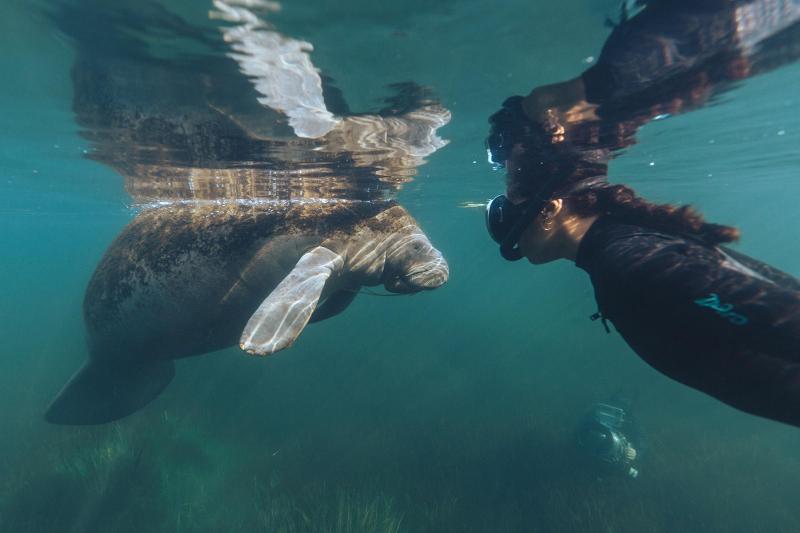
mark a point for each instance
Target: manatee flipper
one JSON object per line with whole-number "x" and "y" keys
{"x": 281, "y": 317}
{"x": 101, "y": 392}
{"x": 333, "y": 305}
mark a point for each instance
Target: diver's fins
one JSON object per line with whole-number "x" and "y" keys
{"x": 102, "y": 392}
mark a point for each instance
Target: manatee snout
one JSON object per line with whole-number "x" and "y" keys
{"x": 419, "y": 266}
{"x": 430, "y": 275}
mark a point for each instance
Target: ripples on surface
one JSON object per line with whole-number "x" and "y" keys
{"x": 188, "y": 126}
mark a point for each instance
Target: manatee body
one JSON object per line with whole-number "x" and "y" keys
{"x": 186, "y": 280}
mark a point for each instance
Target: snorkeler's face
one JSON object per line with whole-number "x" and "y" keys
{"x": 540, "y": 245}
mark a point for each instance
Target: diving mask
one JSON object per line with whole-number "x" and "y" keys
{"x": 506, "y": 221}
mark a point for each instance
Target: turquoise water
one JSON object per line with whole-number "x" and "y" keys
{"x": 453, "y": 410}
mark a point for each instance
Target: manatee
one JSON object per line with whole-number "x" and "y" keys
{"x": 183, "y": 280}
{"x": 264, "y": 195}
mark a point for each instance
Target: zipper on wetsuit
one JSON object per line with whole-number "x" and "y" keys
{"x": 603, "y": 319}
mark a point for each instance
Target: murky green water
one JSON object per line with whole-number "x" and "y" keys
{"x": 453, "y": 410}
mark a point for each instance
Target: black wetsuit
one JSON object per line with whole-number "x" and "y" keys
{"x": 706, "y": 316}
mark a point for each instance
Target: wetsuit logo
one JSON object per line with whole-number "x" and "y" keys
{"x": 724, "y": 310}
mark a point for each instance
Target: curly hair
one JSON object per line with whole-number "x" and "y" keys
{"x": 623, "y": 204}
{"x": 544, "y": 153}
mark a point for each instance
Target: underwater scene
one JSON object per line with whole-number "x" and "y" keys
{"x": 309, "y": 266}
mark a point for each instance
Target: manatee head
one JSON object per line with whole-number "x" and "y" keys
{"x": 390, "y": 249}
{"x": 413, "y": 264}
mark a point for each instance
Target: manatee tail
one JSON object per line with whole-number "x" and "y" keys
{"x": 100, "y": 393}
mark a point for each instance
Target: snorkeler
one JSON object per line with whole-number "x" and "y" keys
{"x": 704, "y": 315}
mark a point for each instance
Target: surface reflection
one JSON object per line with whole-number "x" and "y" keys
{"x": 189, "y": 125}
{"x": 265, "y": 204}
{"x": 666, "y": 59}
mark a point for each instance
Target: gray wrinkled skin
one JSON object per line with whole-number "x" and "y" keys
{"x": 184, "y": 281}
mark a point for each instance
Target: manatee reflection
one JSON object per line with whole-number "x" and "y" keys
{"x": 255, "y": 220}
{"x": 190, "y": 125}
